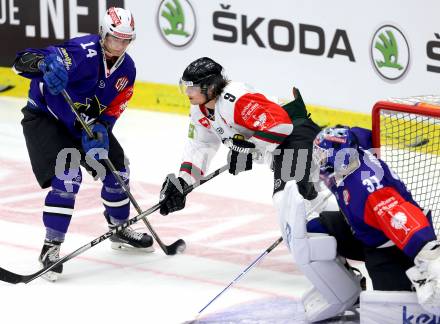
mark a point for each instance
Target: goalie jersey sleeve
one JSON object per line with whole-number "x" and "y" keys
{"x": 380, "y": 210}
{"x": 200, "y": 147}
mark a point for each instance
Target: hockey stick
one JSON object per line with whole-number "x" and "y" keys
{"x": 15, "y": 278}
{"x": 7, "y": 87}
{"x": 262, "y": 255}
{"x": 179, "y": 245}
{"x": 417, "y": 142}
{"x": 257, "y": 260}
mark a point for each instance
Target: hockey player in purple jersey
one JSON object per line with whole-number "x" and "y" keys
{"x": 378, "y": 222}
{"x": 99, "y": 76}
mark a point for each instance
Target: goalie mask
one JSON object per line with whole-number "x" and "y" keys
{"x": 335, "y": 151}
{"x": 206, "y": 74}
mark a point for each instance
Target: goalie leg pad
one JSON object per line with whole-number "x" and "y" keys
{"x": 291, "y": 212}
{"x": 335, "y": 288}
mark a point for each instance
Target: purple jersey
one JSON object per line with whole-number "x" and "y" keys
{"x": 99, "y": 95}
{"x": 372, "y": 199}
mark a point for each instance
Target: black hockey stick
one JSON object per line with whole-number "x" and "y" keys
{"x": 15, "y": 278}
{"x": 7, "y": 87}
{"x": 417, "y": 142}
{"x": 179, "y": 245}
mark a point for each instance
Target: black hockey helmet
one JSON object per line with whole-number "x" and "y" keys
{"x": 205, "y": 73}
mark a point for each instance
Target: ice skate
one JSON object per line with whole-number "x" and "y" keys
{"x": 50, "y": 254}
{"x": 129, "y": 239}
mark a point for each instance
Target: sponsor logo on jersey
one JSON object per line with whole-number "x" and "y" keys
{"x": 205, "y": 122}
{"x": 390, "y": 210}
{"x": 346, "y": 196}
{"x": 67, "y": 60}
{"x": 261, "y": 120}
{"x": 89, "y": 111}
{"x": 220, "y": 130}
{"x": 191, "y": 131}
{"x": 248, "y": 110}
{"x": 398, "y": 221}
{"x": 176, "y": 21}
{"x": 121, "y": 83}
{"x": 389, "y": 51}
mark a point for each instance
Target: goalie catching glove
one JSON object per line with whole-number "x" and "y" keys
{"x": 240, "y": 155}
{"x": 425, "y": 276}
{"x": 172, "y": 195}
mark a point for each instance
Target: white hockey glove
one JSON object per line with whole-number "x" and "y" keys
{"x": 425, "y": 276}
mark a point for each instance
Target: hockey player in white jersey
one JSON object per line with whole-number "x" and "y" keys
{"x": 247, "y": 121}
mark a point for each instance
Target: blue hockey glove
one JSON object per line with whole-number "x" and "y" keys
{"x": 54, "y": 73}
{"x": 100, "y": 140}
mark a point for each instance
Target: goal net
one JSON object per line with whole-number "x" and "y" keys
{"x": 407, "y": 131}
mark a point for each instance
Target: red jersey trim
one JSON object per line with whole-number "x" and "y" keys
{"x": 118, "y": 105}
{"x": 389, "y": 212}
{"x": 255, "y": 112}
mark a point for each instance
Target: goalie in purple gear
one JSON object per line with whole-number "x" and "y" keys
{"x": 378, "y": 222}
{"x": 99, "y": 76}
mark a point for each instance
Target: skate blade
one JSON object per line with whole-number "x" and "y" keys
{"x": 51, "y": 276}
{"x": 127, "y": 247}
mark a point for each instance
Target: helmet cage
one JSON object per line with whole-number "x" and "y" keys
{"x": 335, "y": 150}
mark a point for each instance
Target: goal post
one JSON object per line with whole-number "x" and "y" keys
{"x": 407, "y": 133}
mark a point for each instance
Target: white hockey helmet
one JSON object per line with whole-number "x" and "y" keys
{"x": 119, "y": 23}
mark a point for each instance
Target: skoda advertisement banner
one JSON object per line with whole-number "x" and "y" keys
{"x": 346, "y": 55}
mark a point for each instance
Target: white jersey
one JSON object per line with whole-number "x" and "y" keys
{"x": 238, "y": 110}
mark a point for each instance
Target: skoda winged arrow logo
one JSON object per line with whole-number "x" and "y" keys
{"x": 390, "y": 53}
{"x": 176, "y": 21}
